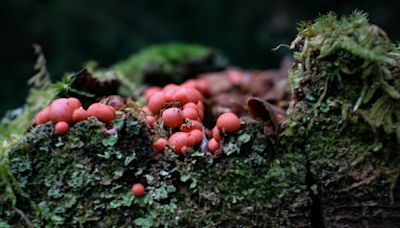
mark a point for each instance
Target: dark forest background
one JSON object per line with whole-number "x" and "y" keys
{"x": 71, "y": 32}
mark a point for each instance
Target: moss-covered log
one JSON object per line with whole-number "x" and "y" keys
{"x": 335, "y": 163}
{"x": 84, "y": 178}
{"x": 345, "y": 116}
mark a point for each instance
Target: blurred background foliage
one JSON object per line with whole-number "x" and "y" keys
{"x": 72, "y": 32}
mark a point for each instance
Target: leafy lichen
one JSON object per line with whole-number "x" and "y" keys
{"x": 77, "y": 179}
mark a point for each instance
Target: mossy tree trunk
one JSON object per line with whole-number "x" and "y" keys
{"x": 345, "y": 117}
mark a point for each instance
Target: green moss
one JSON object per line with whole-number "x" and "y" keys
{"x": 167, "y": 60}
{"x": 350, "y": 63}
{"x": 16, "y": 122}
{"x": 344, "y": 118}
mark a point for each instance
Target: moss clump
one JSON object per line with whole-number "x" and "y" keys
{"x": 344, "y": 119}
{"x": 166, "y": 63}
{"x": 353, "y": 65}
